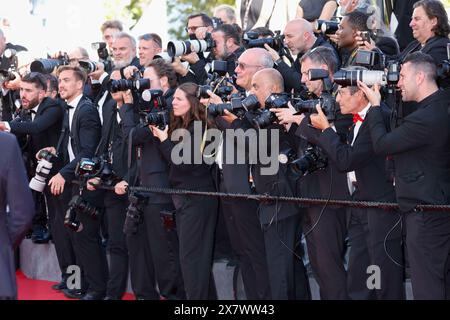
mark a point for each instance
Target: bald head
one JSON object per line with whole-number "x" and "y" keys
{"x": 299, "y": 36}
{"x": 265, "y": 82}
{"x": 299, "y": 25}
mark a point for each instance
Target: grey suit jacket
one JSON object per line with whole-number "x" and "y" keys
{"x": 16, "y": 195}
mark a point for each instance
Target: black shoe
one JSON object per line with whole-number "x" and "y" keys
{"x": 60, "y": 286}
{"x": 40, "y": 235}
{"x": 74, "y": 293}
{"x": 93, "y": 295}
{"x": 109, "y": 298}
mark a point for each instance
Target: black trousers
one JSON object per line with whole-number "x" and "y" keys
{"x": 57, "y": 207}
{"x": 40, "y": 219}
{"x": 367, "y": 231}
{"x": 287, "y": 273}
{"x": 428, "y": 247}
{"x": 115, "y": 212}
{"x": 196, "y": 221}
{"x": 326, "y": 250}
{"x": 247, "y": 240}
{"x": 154, "y": 257}
{"x": 89, "y": 252}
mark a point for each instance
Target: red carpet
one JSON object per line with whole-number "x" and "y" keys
{"x": 29, "y": 289}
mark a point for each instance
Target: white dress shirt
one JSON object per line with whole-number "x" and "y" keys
{"x": 351, "y": 176}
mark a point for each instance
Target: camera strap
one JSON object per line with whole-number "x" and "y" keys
{"x": 111, "y": 131}
{"x": 64, "y": 129}
{"x": 130, "y": 157}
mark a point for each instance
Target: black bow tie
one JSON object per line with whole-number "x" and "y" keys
{"x": 31, "y": 112}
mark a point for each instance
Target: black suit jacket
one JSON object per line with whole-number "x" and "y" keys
{"x": 421, "y": 151}
{"x": 154, "y": 170}
{"x": 44, "y": 131}
{"x": 84, "y": 136}
{"x": 373, "y": 180}
{"x": 292, "y": 76}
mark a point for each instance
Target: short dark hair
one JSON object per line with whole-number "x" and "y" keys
{"x": 112, "y": 24}
{"x": 263, "y": 32}
{"x": 38, "y": 79}
{"x": 52, "y": 82}
{"x": 230, "y": 31}
{"x": 321, "y": 55}
{"x": 79, "y": 73}
{"x": 164, "y": 69}
{"x": 207, "y": 21}
{"x": 435, "y": 9}
{"x": 358, "y": 20}
{"x": 423, "y": 62}
{"x": 152, "y": 37}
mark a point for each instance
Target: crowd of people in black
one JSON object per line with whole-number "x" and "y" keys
{"x": 346, "y": 112}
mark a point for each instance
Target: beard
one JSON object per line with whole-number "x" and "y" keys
{"x": 122, "y": 63}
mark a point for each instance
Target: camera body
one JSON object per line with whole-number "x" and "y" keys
{"x": 276, "y": 42}
{"x": 97, "y": 167}
{"x": 135, "y": 213}
{"x": 265, "y": 117}
{"x": 78, "y": 205}
{"x": 9, "y": 65}
{"x": 135, "y": 84}
{"x": 312, "y": 160}
{"x": 327, "y": 27}
{"x": 372, "y": 60}
{"x": 44, "y": 166}
{"x": 103, "y": 55}
{"x": 159, "y": 119}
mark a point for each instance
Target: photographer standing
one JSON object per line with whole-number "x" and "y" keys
{"x": 324, "y": 227}
{"x": 40, "y": 124}
{"x": 228, "y": 45}
{"x": 79, "y": 139}
{"x": 113, "y": 150}
{"x": 420, "y": 147}
{"x": 196, "y": 215}
{"x": 375, "y": 235}
{"x": 299, "y": 38}
{"x": 280, "y": 222}
{"x": 153, "y": 246}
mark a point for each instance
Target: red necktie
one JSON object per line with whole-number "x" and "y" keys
{"x": 357, "y": 118}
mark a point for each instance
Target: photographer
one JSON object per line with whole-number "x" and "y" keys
{"x": 228, "y": 45}
{"x": 225, "y": 13}
{"x": 124, "y": 51}
{"x": 10, "y": 79}
{"x": 40, "y": 124}
{"x": 420, "y": 150}
{"x": 79, "y": 139}
{"x": 240, "y": 216}
{"x": 150, "y": 44}
{"x": 153, "y": 248}
{"x": 281, "y": 223}
{"x": 299, "y": 38}
{"x": 198, "y": 26}
{"x": 370, "y": 230}
{"x": 324, "y": 227}
{"x": 109, "y": 29}
{"x": 196, "y": 215}
{"x": 113, "y": 150}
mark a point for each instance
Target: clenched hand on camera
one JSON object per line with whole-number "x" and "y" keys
{"x": 320, "y": 120}
{"x": 373, "y": 94}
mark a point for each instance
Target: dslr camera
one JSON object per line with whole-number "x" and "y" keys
{"x": 136, "y": 84}
{"x": 44, "y": 166}
{"x": 265, "y": 117}
{"x": 47, "y": 66}
{"x": 97, "y": 167}
{"x": 238, "y": 106}
{"x": 103, "y": 55}
{"x": 312, "y": 160}
{"x": 217, "y": 82}
{"x": 9, "y": 64}
{"x": 78, "y": 205}
{"x": 180, "y": 48}
{"x": 135, "y": 213}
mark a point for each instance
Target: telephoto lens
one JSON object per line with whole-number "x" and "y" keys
{"x": 351, "y": 78}
{"x": 43, "y": 169}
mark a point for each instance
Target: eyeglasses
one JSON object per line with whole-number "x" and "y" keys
{"x": 244, "y": 66}
{"x": 192, "y": 29}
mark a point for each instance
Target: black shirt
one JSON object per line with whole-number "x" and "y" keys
{"x": 312, "y": 9}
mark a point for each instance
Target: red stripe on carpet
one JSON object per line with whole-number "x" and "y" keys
{"x": 29, "y": 289}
